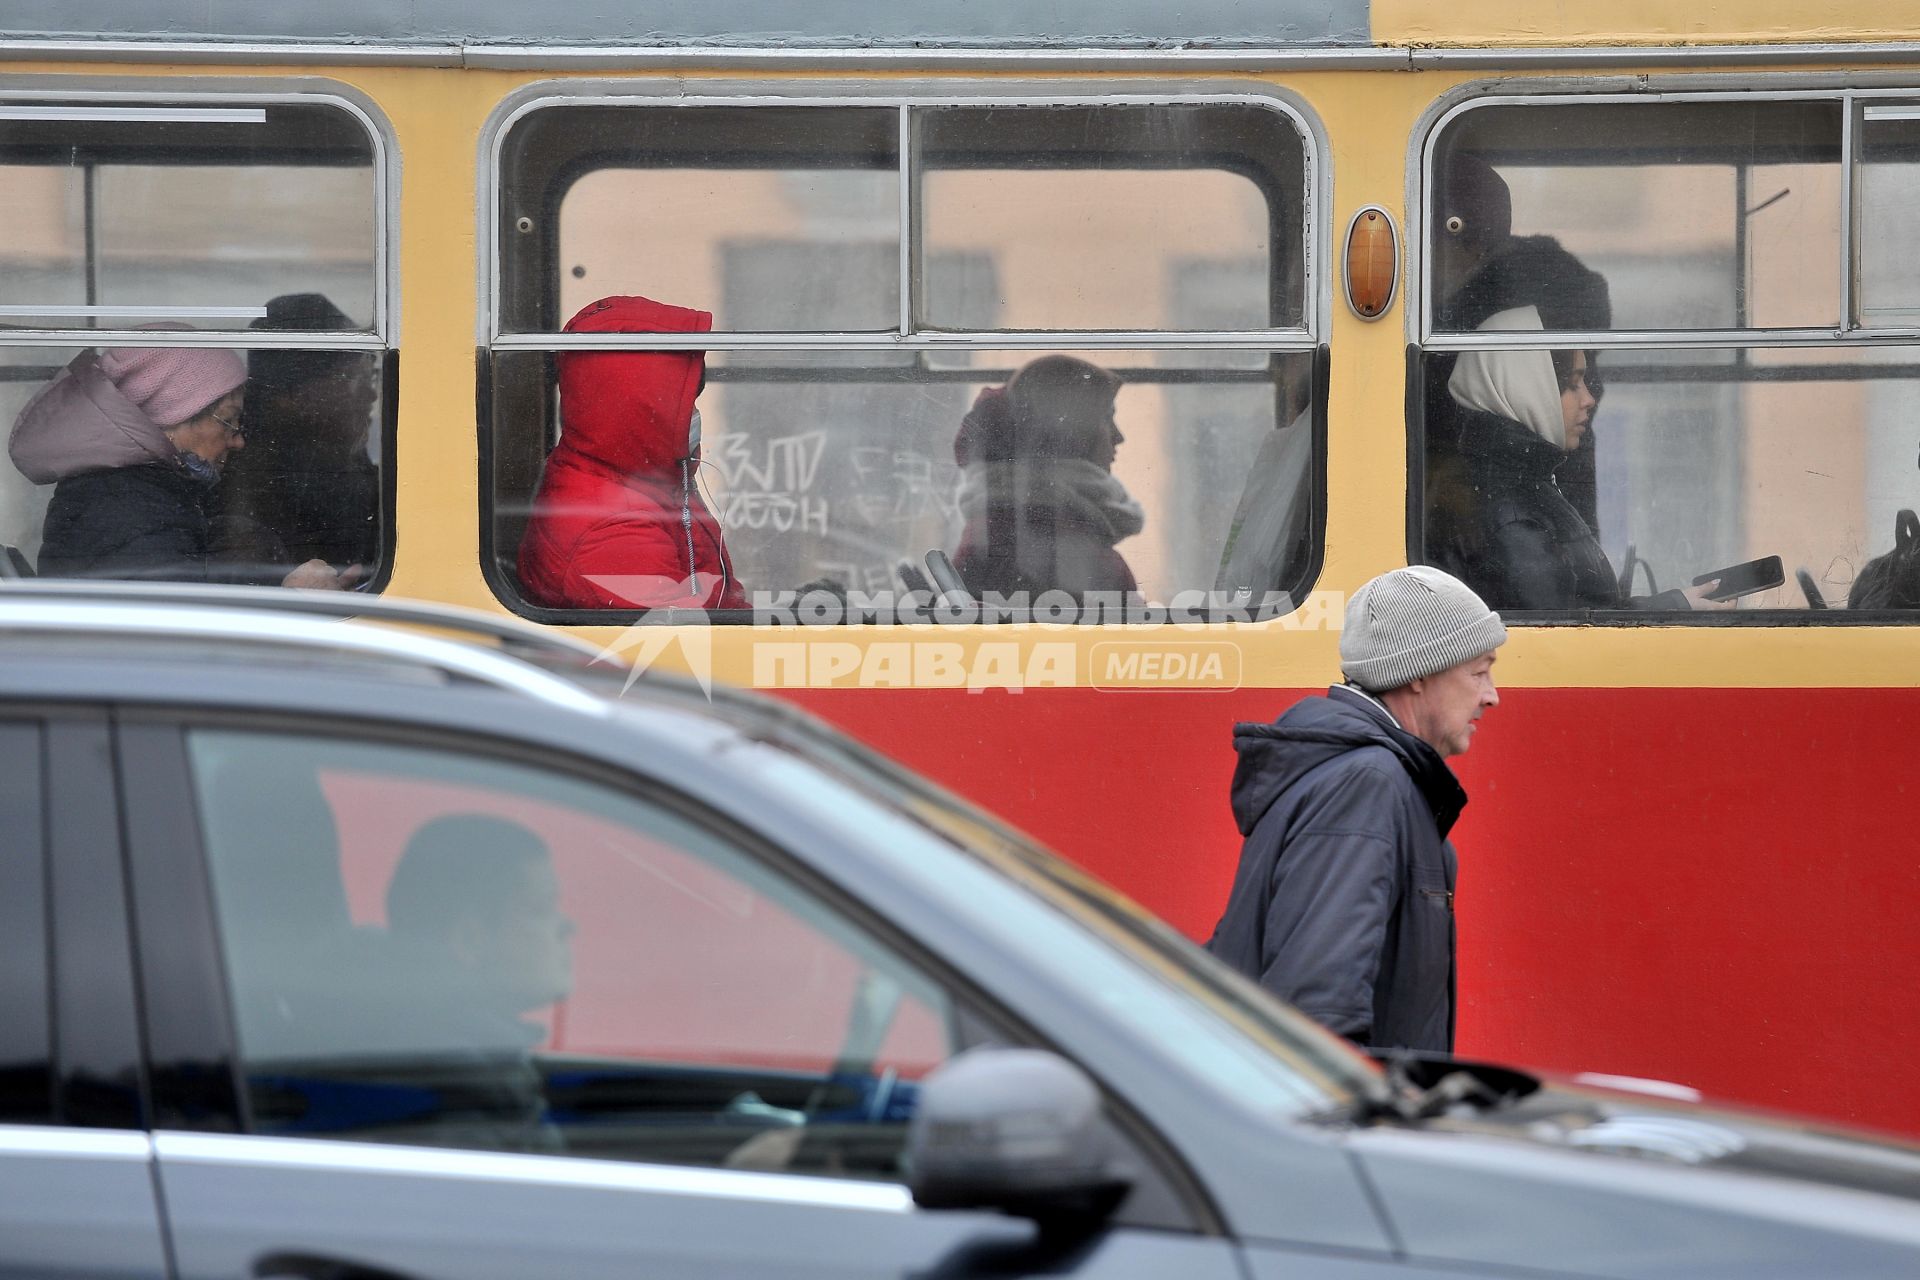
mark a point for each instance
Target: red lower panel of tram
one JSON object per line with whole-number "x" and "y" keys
{"x": 1718, "y": 887}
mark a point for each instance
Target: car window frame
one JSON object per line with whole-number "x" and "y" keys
{"x": 26, "y": 1006}
{"x": 100, "y": 1077}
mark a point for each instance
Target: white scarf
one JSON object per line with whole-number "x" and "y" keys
{"x": 1085, "y": 490}
{"x": 1518, "y": 385}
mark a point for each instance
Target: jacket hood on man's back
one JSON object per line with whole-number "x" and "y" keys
{"x": 81, "y": 422}
{"x": 630, "y": 409}
{"x": 1315, "y": 730}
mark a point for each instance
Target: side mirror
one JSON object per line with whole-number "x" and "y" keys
{"x": 1015, "y": 1130}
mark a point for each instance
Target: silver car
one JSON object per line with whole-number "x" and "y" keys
{"x": 417, "y": 944}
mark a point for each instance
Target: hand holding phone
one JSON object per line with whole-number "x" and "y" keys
{"x": 1744, "y": 579}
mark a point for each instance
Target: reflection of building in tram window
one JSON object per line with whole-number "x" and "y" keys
{"x": 1505, "y": 529}
{"x": 305, "y": 488}
{"x": 618, "y": 521}
{"x": 134, "y": 440}
{"x": 1042, "y": 506}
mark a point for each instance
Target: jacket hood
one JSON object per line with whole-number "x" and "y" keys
{"x": 1273, "y": 757}
{"x": 82, "y": 422}
{"x": 630, "y": 410}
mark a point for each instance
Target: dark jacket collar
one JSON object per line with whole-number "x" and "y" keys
{"x": 1501, "y": 446}
{"x": 1316, "y": 729}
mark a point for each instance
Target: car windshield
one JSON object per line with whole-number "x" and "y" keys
{"x": 1269, "y": 1043}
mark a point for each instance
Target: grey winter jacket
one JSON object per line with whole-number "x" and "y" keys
{"x": 1343, "y": 901}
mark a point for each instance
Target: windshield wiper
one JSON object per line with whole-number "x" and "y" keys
{"x": 1421, "y": 1086}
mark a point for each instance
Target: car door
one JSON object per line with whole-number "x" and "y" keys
{"x": 76, "y": 1176}
{"x": 485, "y": 1016}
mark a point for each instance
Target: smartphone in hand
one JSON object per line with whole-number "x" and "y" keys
{"x": 1744, "y": 579}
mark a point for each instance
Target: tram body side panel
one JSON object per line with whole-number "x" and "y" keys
{"x": 1708, "y": 886}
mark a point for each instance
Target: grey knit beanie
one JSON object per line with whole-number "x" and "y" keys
{"x": 1413, "y": 622}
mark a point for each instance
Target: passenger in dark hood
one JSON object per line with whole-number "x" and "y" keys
{"x": 1343, "y": 900}
{"x": 1481, "y": 269}
{"x": 305, "y": 488}
{"x": 1042, "y": 506}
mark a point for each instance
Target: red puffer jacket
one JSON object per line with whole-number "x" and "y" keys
{"x": 618, "y": 522}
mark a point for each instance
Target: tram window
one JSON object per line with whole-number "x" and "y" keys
{"x": 211, "y": 215}
{"x": 1087, "y": 212}
{"x": 1889, "y": 195}
{"x": 817, "y": 466}
{"x": 1700, "y": 460}
{"x": 655, "y": 202}
{"x": 1709, "y": 215}
{"x": 232, "y": 218}
{"x": 840, "y": 458}
{"x": 1567, "y": 481}
{"x": 845, "y": 283}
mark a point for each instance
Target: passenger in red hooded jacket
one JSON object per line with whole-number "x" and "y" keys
{"x": 618, "y": 522}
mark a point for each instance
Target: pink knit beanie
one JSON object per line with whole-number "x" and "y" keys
{"x": 172, "y": 384}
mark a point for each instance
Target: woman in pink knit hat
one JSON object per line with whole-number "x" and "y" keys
{"x": 133, "y": 439}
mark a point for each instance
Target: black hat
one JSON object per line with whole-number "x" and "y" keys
{"x": 271, "y": 370}
{"x": 1472, "y": 202}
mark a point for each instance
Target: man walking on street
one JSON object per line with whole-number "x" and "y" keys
{"x": 1343, "y": 902}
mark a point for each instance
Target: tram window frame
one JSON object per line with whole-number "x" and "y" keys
{"x": 1725, "y": 347}
{"x": 107, "y": 122}
{"x": 508, "y": 472}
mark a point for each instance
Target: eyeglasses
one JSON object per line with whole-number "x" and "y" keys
{"x": 233, "y": 428}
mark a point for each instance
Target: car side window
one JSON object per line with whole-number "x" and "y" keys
{"x": 444, "y": 949}
{"x": 26, "y": 1051}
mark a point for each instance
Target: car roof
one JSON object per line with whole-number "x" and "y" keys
{"x": 378, "y": 639}
{"x": 345, "y": 656}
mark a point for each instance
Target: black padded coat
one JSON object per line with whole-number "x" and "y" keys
{"x": 149, "y": 521}
{"x": 1343, "y": 901}
{"x": 1498, "y": 522}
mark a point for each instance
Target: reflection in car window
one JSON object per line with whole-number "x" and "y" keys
{"x": 1251, "y": 1046}
{"x": 445, "y": 950}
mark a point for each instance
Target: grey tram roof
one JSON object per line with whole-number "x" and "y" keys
{"x": 1117, "y": 24}
{"x": 1146, "y": 36}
